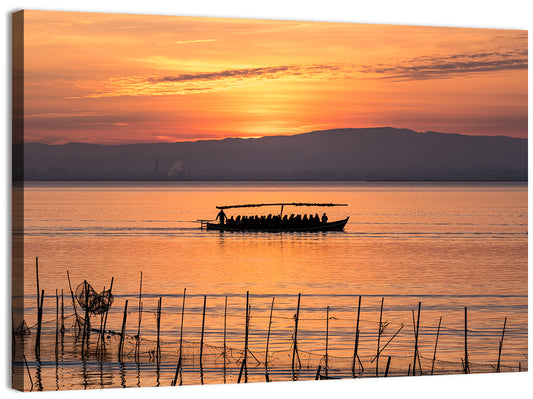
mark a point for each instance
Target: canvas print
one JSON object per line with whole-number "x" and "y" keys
{"x": 227, "y": 201}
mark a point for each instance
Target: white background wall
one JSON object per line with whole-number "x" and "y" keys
{"x": 508, "y": 14}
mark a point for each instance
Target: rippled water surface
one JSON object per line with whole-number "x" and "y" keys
{"x": 445, "y": 246}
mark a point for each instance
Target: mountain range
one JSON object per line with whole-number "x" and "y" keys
{"x": 384, "y": 153}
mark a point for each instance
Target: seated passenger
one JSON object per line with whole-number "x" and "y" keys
{"x": 324, "y": 218}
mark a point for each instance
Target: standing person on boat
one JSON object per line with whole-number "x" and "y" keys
{"x": 222, "y": 217}
{"x": 324, "y": 218}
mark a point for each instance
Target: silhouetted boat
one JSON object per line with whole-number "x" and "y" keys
{"x": 276, "y": 223}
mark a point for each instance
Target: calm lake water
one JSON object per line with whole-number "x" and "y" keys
{"x": 446, "y": 246}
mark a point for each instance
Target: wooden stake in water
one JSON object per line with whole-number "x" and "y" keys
{"x": 388, "y": 342}
{"x": 202, "y": 337}
{"x": 246, "y": 332}
{"x": 28, "y": 369}
{"x": 57, "y": 325}
{"x": 268, "y": 339}
{"x": 416, "y": 340}
{"x": 243, "y": 364}
{"x": 466, "y": 363}
{"x": 105, "y": 316}
{"x": 379, "y": 335}
{"x": 435, "y": 350}
{"x": 86, "y": 326}
{"x": 158, "y": 347}
{"x": 39, "y": 323}
{"x": 418, "y": 356}
{"x": 225, "y": 317}
{"x": 387, "y": 368}
{"x": 123, "y": 332}
{"x": 178, "y": 367}
{"x": 139, "y": 307}
{"x": 37, "y": 278}
{"x": 317, "y": 375}
{"x": 327, "y": 338}
{"x": 501, "y": 344}
{"x": 181, "y": 327}
{"x": 62, "y": 313}
{"x": 356, "y": 345}
{"x": 295, "y": 340}
{"x": 73, "y": 302}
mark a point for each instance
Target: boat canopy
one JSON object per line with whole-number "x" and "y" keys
{"x": 282, "y": 204}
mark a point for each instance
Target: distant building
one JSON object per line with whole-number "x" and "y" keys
{"x": 156, "y": 168}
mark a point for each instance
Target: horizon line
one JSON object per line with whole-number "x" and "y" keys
{"x": 274, "y": 135}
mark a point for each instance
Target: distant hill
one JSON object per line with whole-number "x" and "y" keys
{"x": 339, "y": 154}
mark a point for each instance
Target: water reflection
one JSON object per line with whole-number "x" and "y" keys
{"x": 447, "y": 247}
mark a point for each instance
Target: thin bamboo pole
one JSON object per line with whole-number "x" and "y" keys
{"x": 418, "y": 356}
{"x": 73, "y": 302}
{"x": 327, "y": 338}
{"x": 139, "y": 307}
{"x": 86, "y": 327}
{"x": 62, "y": 313}
{"x": 466, "y": 363}
{"x": 202, "y": 337}
{"x": 500, "y": 347}
{"x": 295, "y": 340}
{"x": 105, "y": 315}
{"x": 268, "y": 340}
{"x": 158, "y": 347}
{"x": 123, "y": 332}
{"x": 379, "y": 336}
{"x": 246, "y": 334}
{"x": 356, "y": 345}
{"x": 57, "y": 326}
{"x": 180, "y": 359}
{"x": 387, "y": 368}
{"x": 435, "y": 350}
{"x": 225, "y": 327}
{"x": 39, "y": 324}
{"x": 28, "y": 369}
{"x": 181, "y": 322}
{"x": 240, "y": 373}
{"x": 388, "y": 342}
{"x": 178, "y": 367}
{"x": 416, "y": 339}
{"x": 37, "y": 280}
{"x": 317, "y": 375}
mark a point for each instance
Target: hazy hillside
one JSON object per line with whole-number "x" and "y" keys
{"x": 339, "y": 154}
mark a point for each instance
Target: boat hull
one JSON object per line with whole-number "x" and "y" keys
{"x": 337, "y": 225}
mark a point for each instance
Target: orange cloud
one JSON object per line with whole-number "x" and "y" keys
{"x": 102, "y": 77}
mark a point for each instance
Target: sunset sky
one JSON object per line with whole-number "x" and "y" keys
{"x": 117, "y": 78}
